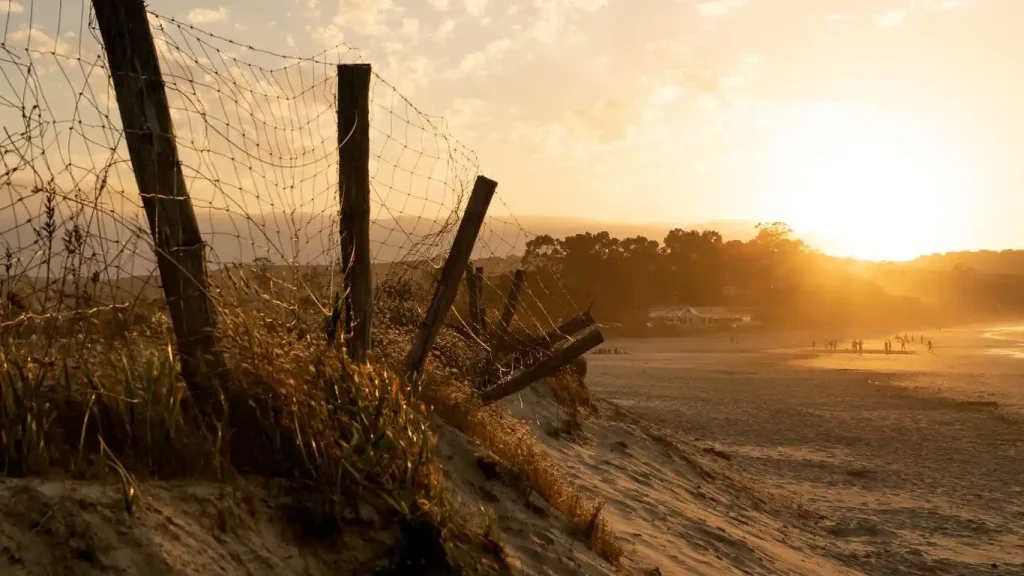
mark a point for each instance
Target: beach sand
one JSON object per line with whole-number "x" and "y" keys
{"x": 878, "y": 464}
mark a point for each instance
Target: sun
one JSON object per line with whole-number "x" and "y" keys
{"x": 867, "y": 185}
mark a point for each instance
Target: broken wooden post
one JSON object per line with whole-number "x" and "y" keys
{"x": 354, "y": 191}
{"x": 512, "y": 301}
{"x": 481, "y": 312}
{"x": 550, "y": 339}
{"x": 451, "y": 274}
{"x": 177, "y": 241}
{"x": 474, "y": 301}
{"x": 544, "y": 368}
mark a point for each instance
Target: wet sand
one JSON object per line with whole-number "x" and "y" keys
{"x": 909, "y": 464}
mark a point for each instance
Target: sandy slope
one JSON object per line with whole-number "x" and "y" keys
{"x": 66, "y": 527}
{"x": 536, "y": 539}
{"x": 749, "y": 458}
{"x": 900, "y": 464}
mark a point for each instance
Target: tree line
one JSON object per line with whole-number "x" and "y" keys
{"x": 782, "y": 279}
{"x": 625, "y": 277}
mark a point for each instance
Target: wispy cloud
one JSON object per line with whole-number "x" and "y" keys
{"x": 444, "y": 31}
{"x": 410, "y": 27}
{"x": 475, "y": 7}
{"x": 554, "y": 15}
{"x": 365, "y": 17}
{"x": 891, "y": 19}
{"x": 478, "y": 61}
{"x": 716, "y": 8}
{"x": 11, "y": 7}
{"x": 439, "y": 4}
{"x": 206, "y": 15}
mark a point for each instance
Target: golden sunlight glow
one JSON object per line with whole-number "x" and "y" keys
{"x": 870, "y": 186}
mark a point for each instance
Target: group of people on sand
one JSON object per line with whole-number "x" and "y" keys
{"x": 830, "y": 345}
{"x": 857, "y": 345}
{"x": 833, "y": 345}
{"x": 904, "y": 339}
{"x": 889, "y": 348}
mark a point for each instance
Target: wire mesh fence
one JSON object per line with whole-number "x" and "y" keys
{"x": 258, "y": 143}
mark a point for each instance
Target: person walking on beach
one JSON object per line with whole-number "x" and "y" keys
{"x": 930, "y": 349}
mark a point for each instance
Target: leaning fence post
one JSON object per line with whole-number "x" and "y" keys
{"x": 547, "y": 341}
{"x": 354, "y": 189}
{"x": 177, "y": 241}
{"x": 512, "y": 301}
{"x": 451, "y": 274}
{"x": 544, "y": 368}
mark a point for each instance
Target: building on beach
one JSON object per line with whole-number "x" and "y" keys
{"x": 698, "y": 316}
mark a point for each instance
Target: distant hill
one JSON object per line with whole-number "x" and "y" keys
{"x": 312, "y": 238}
{"x": 990, "y": 261}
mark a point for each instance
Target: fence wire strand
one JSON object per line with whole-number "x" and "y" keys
{"x": 257, "y": 139}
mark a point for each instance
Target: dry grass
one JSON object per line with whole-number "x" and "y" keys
{"x": 99, "y": 393}
{"x": 341, "y": 436}
{"x": 515, "y": 444}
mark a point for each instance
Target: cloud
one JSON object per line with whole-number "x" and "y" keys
{"x": 11, "y": 6}
{"x": 290, "y": 41}
{"x": 408, "y": 72}
{"x": 444, "y": 31}
{"x": 553, "y": 15}
{"x": 441, "y": 5}
{"x": 716, "y": 8}
{"x": 951, "y": 4}
{"x": 410, "y": 27}
{"x": 464, "y": 114}
{"x": 207, "y": 16}
{"x": 36, "y": 39}
{"x": 330, "y": 35}
{"x": 890, "y": 19}
{"x": 603, "y": 121}
{"x": 476, "y": 61}
{"x": 365, "y": 17}
{"x": 475, "y": 7}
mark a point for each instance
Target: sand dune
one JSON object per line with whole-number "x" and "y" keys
{"x": 774, "y": 460}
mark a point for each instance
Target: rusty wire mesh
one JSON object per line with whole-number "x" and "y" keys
{"x": 257, "y": 138}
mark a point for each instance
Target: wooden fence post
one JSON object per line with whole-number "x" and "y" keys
{"x": 548, "y": 340}
{"x": 451, "y": 274}
{"x": 177, "y": 241}
{"x": 544, "y": 368}
{"x": 354, "y": 189}
{"x": 512, "y": 301}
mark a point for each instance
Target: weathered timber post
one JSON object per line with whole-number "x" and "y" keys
{"x": 512, "y": 301}
{"x": 178, "y": 243}
{"x": 354, "y": 189}
{"x": 482, "y": 310}
{"x": 474, "y": 301}
{"x": 451, "y": 274}
{"x": 544, "y": 368}
{"x": 550, "y": 339}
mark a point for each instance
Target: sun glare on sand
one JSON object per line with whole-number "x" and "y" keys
{"x": 870, "y": 186}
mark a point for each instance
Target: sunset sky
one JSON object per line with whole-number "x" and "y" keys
{"x": 885, "y": 128}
